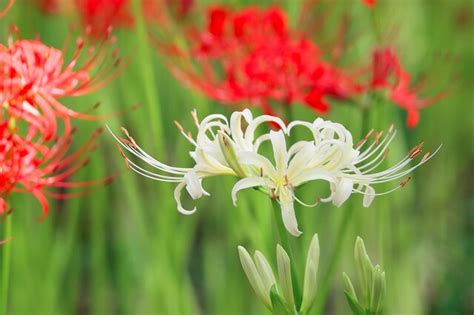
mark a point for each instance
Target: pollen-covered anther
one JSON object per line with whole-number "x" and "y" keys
{"x": 195, "y": 118}
{"x": 367, "y": 136}
{"x": 378, "y": 136}
{"x": 178, "y": 125}
{"x": 125, "y": 131}
{"x": 391, "y": 128}
{"x": 261, "y": 172}
{"x": 405, "y": 181}
{"x": 426, "y": 156}
{"x": 127, "y": 163}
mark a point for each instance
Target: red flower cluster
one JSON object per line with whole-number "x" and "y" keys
{"x": 388, "y": 74}
{"x": 35, "y": 126}
{"x": 252, "y": 55}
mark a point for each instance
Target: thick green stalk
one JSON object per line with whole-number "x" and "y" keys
{"x": 285, "y": 243}
{"x": 6, "y": 257}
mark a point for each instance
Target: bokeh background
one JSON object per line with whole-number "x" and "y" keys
{"x": 124, "y": 249}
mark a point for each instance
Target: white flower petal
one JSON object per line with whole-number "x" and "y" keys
{"x": 245, "y": 183}
{"x": 279, "y": 151}
{"x": 193, "y": 185}
{"x": 343, "y": 191}
{"x": 177, "y": 197}
{"x": 288, "y": 214}
{"x": 369, "y": 196}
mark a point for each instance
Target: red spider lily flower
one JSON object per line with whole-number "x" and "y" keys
{"x": 35, "y": 77}
{"x": 4, "y": 11}
{"x": 100, "y": 15}
{"x": 388, "y": 74}
{"x": 29, "y": 164}
{"x": 370, "y": 3}
{"x": 252, "y": 55}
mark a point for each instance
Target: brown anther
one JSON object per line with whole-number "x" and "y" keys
{"x": 125, "y": 131}
{"x": 391, "y": 128}
{"x": 261, "y": 172}
{"x": 286, "y": 180}
{"x": 134, "y": 144}
{"x": 360, "y": 143}
{"x": 124, "y": 157}
{"x": 190, "y": 135}
{"x": 377, "y": 137}
{"x": 405, "y": 181}
{"x": 415, "y": 153}
{"x": 426, "y": 156}
{"x": 195, "y": 117}
{"x": 96, "y": 105}
{"x": 274, "y": 196}
{"x": 367, "y": 136}
{"x": 178, "y": 125}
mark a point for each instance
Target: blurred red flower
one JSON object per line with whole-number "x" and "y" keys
{"x": 99, "y": 16}
{"x": 370, "y": 3}
{"x": 388, "y": 74}
{"x": 252, "y": 55}
{"x": 29, "y": 164}
{"x": 34, "y": 77}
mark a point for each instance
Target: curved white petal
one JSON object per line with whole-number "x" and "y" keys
{"x": 279, "y": 151}
{"x": 288, "y": 213}
{"x": 369, "y": 196}
{"x": 245, "y": 183}
{"x": 177, "y": 197}
{"x": 194, "y": 186}
{"x": 343, "y": 191}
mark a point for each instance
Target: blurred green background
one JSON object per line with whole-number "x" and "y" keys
{"x": 124, "y": 249}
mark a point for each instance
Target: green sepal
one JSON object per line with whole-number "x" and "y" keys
{"x": 354, "y": 304}
{"x": 278, "y": 308}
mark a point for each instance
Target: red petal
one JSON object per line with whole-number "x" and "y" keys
{"x": 315, "y": 100}
{"x": 413, "y": 117}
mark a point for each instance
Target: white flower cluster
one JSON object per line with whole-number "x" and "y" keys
{"x": 224, "y": 147}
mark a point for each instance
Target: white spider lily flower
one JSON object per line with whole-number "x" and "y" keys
{"x": 232, "y": 147}
{"x": 215, "y": 147}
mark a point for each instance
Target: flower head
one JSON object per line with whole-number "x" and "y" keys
{"x": 233, "y": 148}
{"x": 388, "y": 74}
{"x": 100, "y": 15}
{"x": 253, "y": 55}
{"x": 29, "y": 164}
{"x": 35, "y": 77}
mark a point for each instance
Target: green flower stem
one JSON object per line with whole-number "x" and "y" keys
{"x": 336, "y": 253}
{"x": 6, "y": 258}
{"x": 285, "y": 243}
